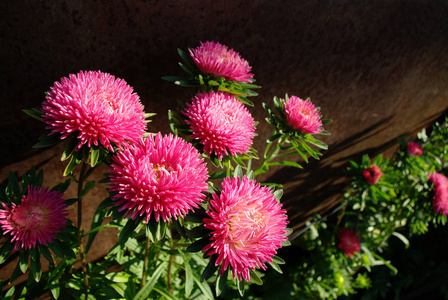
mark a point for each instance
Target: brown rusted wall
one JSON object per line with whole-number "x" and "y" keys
{"x": 379, "y": 69}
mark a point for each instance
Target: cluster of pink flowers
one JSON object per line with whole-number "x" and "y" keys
{"x": 162, "y": 176}
{"x": 102, "y": 110}
{"x": 216, "y": 59}
{"x": 302, "y": 115}
{"x": 348, "y": 242}
{"x": 248, "y": 225}
{"x": 372, "y": 175}
{"x": 414, "y": 149}
{"x": 221, "y": 123}
{"x": 36, "y": 219}
{"x": 440, "y": 200}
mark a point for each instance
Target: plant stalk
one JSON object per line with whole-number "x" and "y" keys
{"x": 145, "y": 263}
{"x": 170, "y": 289}
{"x": 82, "y": 255}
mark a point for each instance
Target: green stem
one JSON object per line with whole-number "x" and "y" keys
{"x": 170, "y": 289}
{"x": 82, "y": 255}
{"x": 270, "y": 156}
{"x": 145, "y": 263}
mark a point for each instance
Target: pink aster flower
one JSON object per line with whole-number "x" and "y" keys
{"x": 348, "y": 242}
{"x": 101, "y": 108}
{"x": 214, "y": 58}
{"x": 302, "y": 115}
{"x": 163, "y": 176}
{"x": 440, "y": 201}
{"x": 414, "y": 149}
{"x": 221, "y": 123}
{"x": 372, "y": 175}
{"x": 248, "y": 225}
{"x": 37, "y": 218}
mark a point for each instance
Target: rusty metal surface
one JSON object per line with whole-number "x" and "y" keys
{"x": 379, "y": 69}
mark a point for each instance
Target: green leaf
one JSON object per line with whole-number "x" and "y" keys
{"x": 205, "y": 288}
{"x": 128, "y": 230}
{"x": 326, "y": 121}
{"x": 245, "y": 101}
{"x": 55, "y": 288}
{"x": 255, "y": 278}
{"x": 71, "y": 145}
{"x": 238, "y": 172}
{"x": 278, "y": 260}
{"x": 221, "y": 281}
{"x": 143, "y": 294}
{"x": 273, "y": 138}
{"x": 247, "y": 85}
{"x": 5, "y": 251}
{"x": 286, "y": 163}
{"x": 217, "y": 175}
{"x": 180, "y": 229}
{"x": 46, "y": 253}
{"x": 188, "y": 60}
{"x": 275, "y": 267}
{"x": 22, "y": 295}
{"x": 241, "y": 287}
{"x": 87, "y": 187}
{"x": 94, "y": 156}
{"x": 155, "y": 230}
{"x": 36, "y": 270}
{"x": 210, "y": 269}
{"x": 278, "y": 194}
{"x": 62, "y": 187}
{"x": 188, "y": 274}
{"x": 14, "y": 185}
{"x": 402, "y": 238}
{"x": 74, "y": 161}
{"x": 318, "y": 144}
{"x": 34, "y": 113}
{"x": 23, "y": 260}
{"x": 10, "y": 293}
{"x": 47, "y": 140}
{"x": 97, "y": 220}
{"x": 198, "y": 231}
{"x": 166, "y": 294}
{"x": 54, "y": 274}
{"x": 61, "y": 249}
{"x": 198, "y": 245}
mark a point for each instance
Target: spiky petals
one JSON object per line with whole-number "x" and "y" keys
{"x": 102, "y": 108}
{"x": 348, "y": 242}
{"x": 440, "y": 200}
{"x": 36, "y": 219}
{"x": 160, "y": 176}
{"x": 414, "y": 149}
{"x": 372, "y": 175}
{"x": 221, "y": 123}
{"x": 247, "y": 225}
{"x": 302, "y": 115}
{"x": 214, "y": 58}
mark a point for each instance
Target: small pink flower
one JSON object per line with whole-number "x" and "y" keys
{"x": 221, "y": 123}
{"x": 248, "y": 225}
{"x": 302, "y": 115}
{"x": 348, "y": 242}
{"x": 37, "y": 218}
{"x": 216, "y": 59}
{"x": 102, "y": 110}
{"x": 164, "y": 176}
{"x": 414, "y": 149}
{"x": 440, "y": 200}
{"x": 372, "y": 175}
